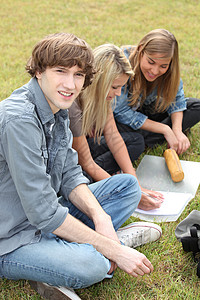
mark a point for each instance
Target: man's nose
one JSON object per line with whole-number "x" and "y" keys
{"x": 69, "y": 82}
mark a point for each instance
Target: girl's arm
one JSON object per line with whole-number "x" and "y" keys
{"x": 175, "y": 138}
{"x": 86, "y": 161}
{"x": 164, "y": 129}
{"x": 114, "y": 142}
{"x": 117, "y": 146}
{"x": 183, "y": 141}
{"x": 176, "y": 112}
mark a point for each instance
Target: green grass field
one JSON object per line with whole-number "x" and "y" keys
{"x": 23, "y": 23}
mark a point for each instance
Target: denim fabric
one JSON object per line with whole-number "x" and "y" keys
{"x": 36, "y": 163}
{"x": 61, "y": 263}
{"x": 128, "y": 115}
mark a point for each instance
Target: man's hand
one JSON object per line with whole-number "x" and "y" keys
{"x": 105, "y": 227}
{"x": 133, "y": 262}
{"x": 104, "y": 238}
{"x": 127, "y": 259}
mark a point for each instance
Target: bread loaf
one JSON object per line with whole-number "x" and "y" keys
{"x": 174, "y": 165}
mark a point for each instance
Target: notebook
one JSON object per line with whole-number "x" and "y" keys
{"x": 153, "y": 174}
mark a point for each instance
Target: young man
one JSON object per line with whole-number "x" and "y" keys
{"x": 53, "y": 227}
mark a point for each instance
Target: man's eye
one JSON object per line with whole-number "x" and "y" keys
{"x": 80, "y": 74}
{"x": 60, "y": 71}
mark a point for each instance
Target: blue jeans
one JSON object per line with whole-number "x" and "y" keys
{"x": 61, "y": 263}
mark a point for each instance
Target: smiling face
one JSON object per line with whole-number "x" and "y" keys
{"x": 116, "y": 86}
{"x": 154, "y": 65}
{"x": 61, "y": 86}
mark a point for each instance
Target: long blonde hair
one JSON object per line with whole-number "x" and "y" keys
{"x": 156, "y": 41}
{"x": 110, "y": 62}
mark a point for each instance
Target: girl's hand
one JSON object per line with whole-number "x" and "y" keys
{"x": 171, "y": 138}
{"x": 154, "y": 200}
{"x": 183, "y": 142}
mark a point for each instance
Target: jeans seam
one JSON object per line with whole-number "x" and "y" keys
{"x": 43, "y": 270}
{"x": 116, "y": 190}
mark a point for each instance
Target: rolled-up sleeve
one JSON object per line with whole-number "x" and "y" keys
{"x": 72, "y": 173}
{"x": 23, "y": 154}
{"x": 126, "y": 114}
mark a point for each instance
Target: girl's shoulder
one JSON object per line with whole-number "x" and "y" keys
{"x": 75, "y": 111}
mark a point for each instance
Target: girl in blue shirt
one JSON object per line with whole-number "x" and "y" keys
{"x": 153, "y": 103}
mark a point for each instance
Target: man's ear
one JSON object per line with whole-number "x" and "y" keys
{"x": 38, "y": 74}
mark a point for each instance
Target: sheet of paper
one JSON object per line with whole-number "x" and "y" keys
{"x": 153, "y": 174}
{"x": 173, "y": 204}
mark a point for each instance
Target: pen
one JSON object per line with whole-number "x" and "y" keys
{"x": 149, "y": 196}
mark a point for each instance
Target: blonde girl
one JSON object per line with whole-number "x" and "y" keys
{"x": 102, "y": 151}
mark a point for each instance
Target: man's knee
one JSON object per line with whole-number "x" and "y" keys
{"x": 93, "y": 268}
{"x": 128, "y": 181}
{"x": 128, "y": 187}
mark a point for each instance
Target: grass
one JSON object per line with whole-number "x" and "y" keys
{"x": 23, "y": 23}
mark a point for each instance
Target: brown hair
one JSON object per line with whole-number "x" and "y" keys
{"x": 62, "y": 49}
{"x": 156, "y": 41}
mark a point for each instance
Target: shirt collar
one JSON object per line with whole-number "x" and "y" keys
{"x": 43, "y": 108}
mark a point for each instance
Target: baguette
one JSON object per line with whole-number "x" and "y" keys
{"x": 174, "y": 165}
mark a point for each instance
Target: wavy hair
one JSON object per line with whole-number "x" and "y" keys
{"x": 110, "y": 62}
{"x": 163, "y": 42}
{"x": 62, "y": 49}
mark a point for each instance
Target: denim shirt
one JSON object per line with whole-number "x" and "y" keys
{"x": 36, "y": 163}
{"x": 128, "y": 115}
